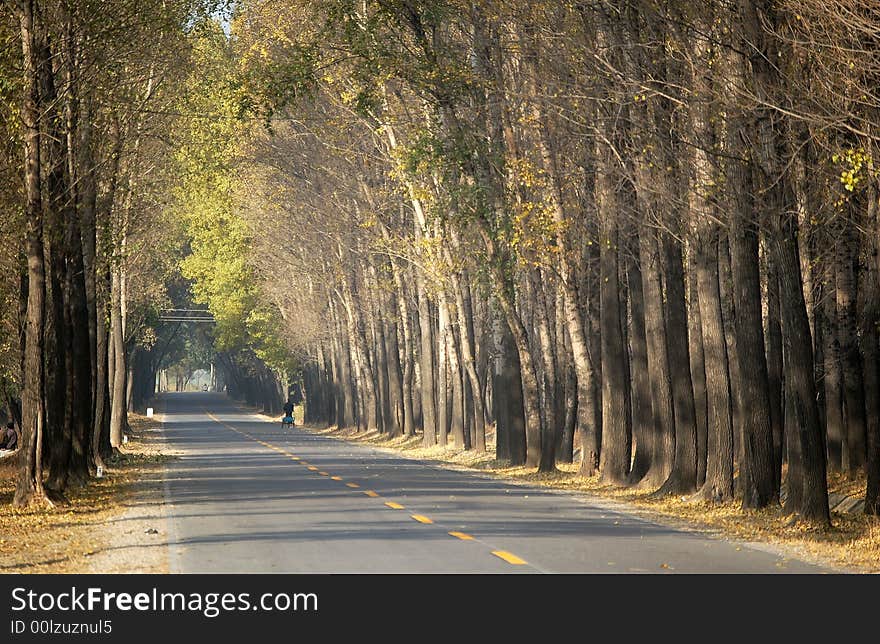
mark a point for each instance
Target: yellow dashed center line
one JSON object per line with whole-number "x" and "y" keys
{"x": 509, "y": 558}
{"x": 501, "y": 554}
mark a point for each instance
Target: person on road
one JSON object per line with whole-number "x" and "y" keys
{"x": 288, "y": 411}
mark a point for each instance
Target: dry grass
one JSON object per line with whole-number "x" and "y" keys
{"x": 852, "y": 543}
{"x": 61, "y": 540}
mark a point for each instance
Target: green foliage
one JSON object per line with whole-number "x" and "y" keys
{"x": 854, "y": 163}
{"x": 218, "y": 258}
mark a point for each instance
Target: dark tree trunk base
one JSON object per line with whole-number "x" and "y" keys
{"x": 674, "y": 486}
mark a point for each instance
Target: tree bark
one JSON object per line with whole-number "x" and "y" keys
{"x": 643, "y": 420}
{"x": 775, "y": 198}
{"x": 753, "y": 404}
{"x": 117, "y": 374}
{"x": 615, "y": 455}
{"x": 854, "y": 451}
{"x": 426, "y": 364}
{"x": 871, "y": 357}
{"x": 467, "y": 342}
{"x": 774, "y": 369}
{"x": 442, "y": 372}
{"x": 29, "y": 483}
{"x": 663, "y": 419}
{"x": 698, "y": 366}
{"x": 683, "y": 477}
{"x": 718, "y": 486}
{"x": 509, "y": 412}
{"x": 397, "y": 405}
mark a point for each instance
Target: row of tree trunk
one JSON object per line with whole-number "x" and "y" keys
{"x": 74, "y": 357}
{"x": 692, "y": 308}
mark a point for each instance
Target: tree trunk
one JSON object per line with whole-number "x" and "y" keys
{"x": 397, "y": 405}
{"x": 775, "y": 199}
{"x": 507, "y": 398}
{"x": 528, "y": 371}
{"x": 718, "y": 486}
{"x": 380, "y": 368}
{"x": 683, "y": 477}
{"x": 442, "y": 370}
{"x": 698, "y": 366}
{"x": 616, "y": 437}
{"x": 57, "y": 337}
{"x": 81, "y": 371}
{"x": 549, "y": 373}
{"x": 853, "y": 453}
{"x": 643, "y": 421}
{"x": 56, "y": 349}
{"x": 832, "y": 376}
{"x": 468, "y": 349}
{"x": 728, "y": 311}
{"x": 409, "y": 351}
{"x": 871, "y": 357}
{"x": 774, "y": 369}
{"x": 757, "y": 466}
{"x": 117, "y": 374}
{"x": 658, "y": 362}
{"x": 29, "y": 483}
{"x": 88, "y": 223}
{"x": 101, "y": 447}
{"x": 458, "y": 424}
{"x": 799, "y": 376}
{"x": 426, "y": 364}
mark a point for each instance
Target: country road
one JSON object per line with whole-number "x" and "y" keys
{"x": 248, "y": 496}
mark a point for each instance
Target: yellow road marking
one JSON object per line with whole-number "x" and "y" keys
{"x": 462, "y": 536}
{"x": 509, "y": 558}
{"x": 391, "y": 504}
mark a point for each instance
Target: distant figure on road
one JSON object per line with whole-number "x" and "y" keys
{"x": 9, "y": 438}
{"x": 288, "y": 413}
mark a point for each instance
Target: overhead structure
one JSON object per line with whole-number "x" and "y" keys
{"x": 186, "y": 315}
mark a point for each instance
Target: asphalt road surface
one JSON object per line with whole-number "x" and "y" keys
{"x": 250, "y": 496}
